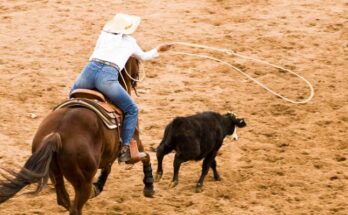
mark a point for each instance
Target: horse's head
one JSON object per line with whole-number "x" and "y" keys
{"x": 130, "y": 74}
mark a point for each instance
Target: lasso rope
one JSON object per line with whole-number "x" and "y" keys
{"x": 137, "y": 80}
{"x": 140, "y": 79}
{"x": 230, "y": 52}
{"x": 124, "y": 82}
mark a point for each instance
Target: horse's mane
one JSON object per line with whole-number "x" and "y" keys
{"x": 135, "y": 73}
{"x": 132, "y": 67}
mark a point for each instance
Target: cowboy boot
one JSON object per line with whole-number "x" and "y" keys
{"x": 124, "y": 154}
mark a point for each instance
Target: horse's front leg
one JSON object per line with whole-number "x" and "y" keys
{"x": 99, "y": 185}
{"x": 148, "y": 177}
{"x": 147, "y": 169}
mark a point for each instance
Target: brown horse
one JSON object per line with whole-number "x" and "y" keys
{"x": 74, "y": 143}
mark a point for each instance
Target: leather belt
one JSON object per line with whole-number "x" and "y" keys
{"x": 106, "y": 63}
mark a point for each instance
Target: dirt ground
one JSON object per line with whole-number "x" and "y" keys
{"x": 290, "y": 159}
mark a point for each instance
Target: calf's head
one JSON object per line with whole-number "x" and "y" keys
{"x": 231, "y": 123}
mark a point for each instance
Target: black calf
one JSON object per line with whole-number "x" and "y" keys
{"x": 194, "y": 138}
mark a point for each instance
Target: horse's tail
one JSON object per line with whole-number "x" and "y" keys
{"x": 35, "y": 170}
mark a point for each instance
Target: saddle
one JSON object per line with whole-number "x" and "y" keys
{"x": 111, "y": 115}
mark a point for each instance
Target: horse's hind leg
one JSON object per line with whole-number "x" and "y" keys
{"x": 82, "y": 193}
{"x": 99, "y": 185}
{"x": 81, "y": 178}
{"x": 58, "y": 181}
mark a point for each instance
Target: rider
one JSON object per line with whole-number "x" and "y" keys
{"x": 113, "y": 48}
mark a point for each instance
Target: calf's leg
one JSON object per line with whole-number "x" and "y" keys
{"x": 161, "y": 151}
{"x": 205, "y": 168}
{"x": 216, "y": 174}
{"x": 176, "y": 164}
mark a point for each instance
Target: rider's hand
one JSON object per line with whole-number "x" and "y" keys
{"x": 164, "y": 47}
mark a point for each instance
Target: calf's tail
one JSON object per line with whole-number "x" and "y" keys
{"x": 35, "y": 170}
{"x": 167, "y": 144}
{"x": 168, "y": 135}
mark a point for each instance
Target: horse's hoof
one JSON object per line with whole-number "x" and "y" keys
{"x": 173, "y": 184}
{"x": 149, "y": 192}
{"x": 218, "y": 178}
{"x": 94, "y": 191}
{"x": 199, "y": 188}
{"x": 158, "y": 177}
{"x": 65, "y": 204}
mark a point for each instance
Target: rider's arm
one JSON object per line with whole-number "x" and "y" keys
{"x": 140, "y": 54}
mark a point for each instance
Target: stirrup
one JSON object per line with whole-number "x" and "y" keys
{"x": 136, "y": 156}
{"x": 124, "y": 155}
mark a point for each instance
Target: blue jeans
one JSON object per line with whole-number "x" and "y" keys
{"x": 104, "y": 78}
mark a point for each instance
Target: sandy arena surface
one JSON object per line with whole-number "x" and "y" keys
{"x": 290, "y": 159}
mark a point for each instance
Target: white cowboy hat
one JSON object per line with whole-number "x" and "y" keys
{"x": 122, "y": 23}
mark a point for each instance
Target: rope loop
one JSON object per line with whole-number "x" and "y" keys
{"x": 233, "y": 53}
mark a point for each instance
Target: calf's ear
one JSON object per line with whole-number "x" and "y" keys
{"x": 240, "y": 123}
{"x": 230, "y": 113}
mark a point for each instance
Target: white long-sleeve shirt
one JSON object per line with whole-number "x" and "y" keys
{"x": 117, "y": 48}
